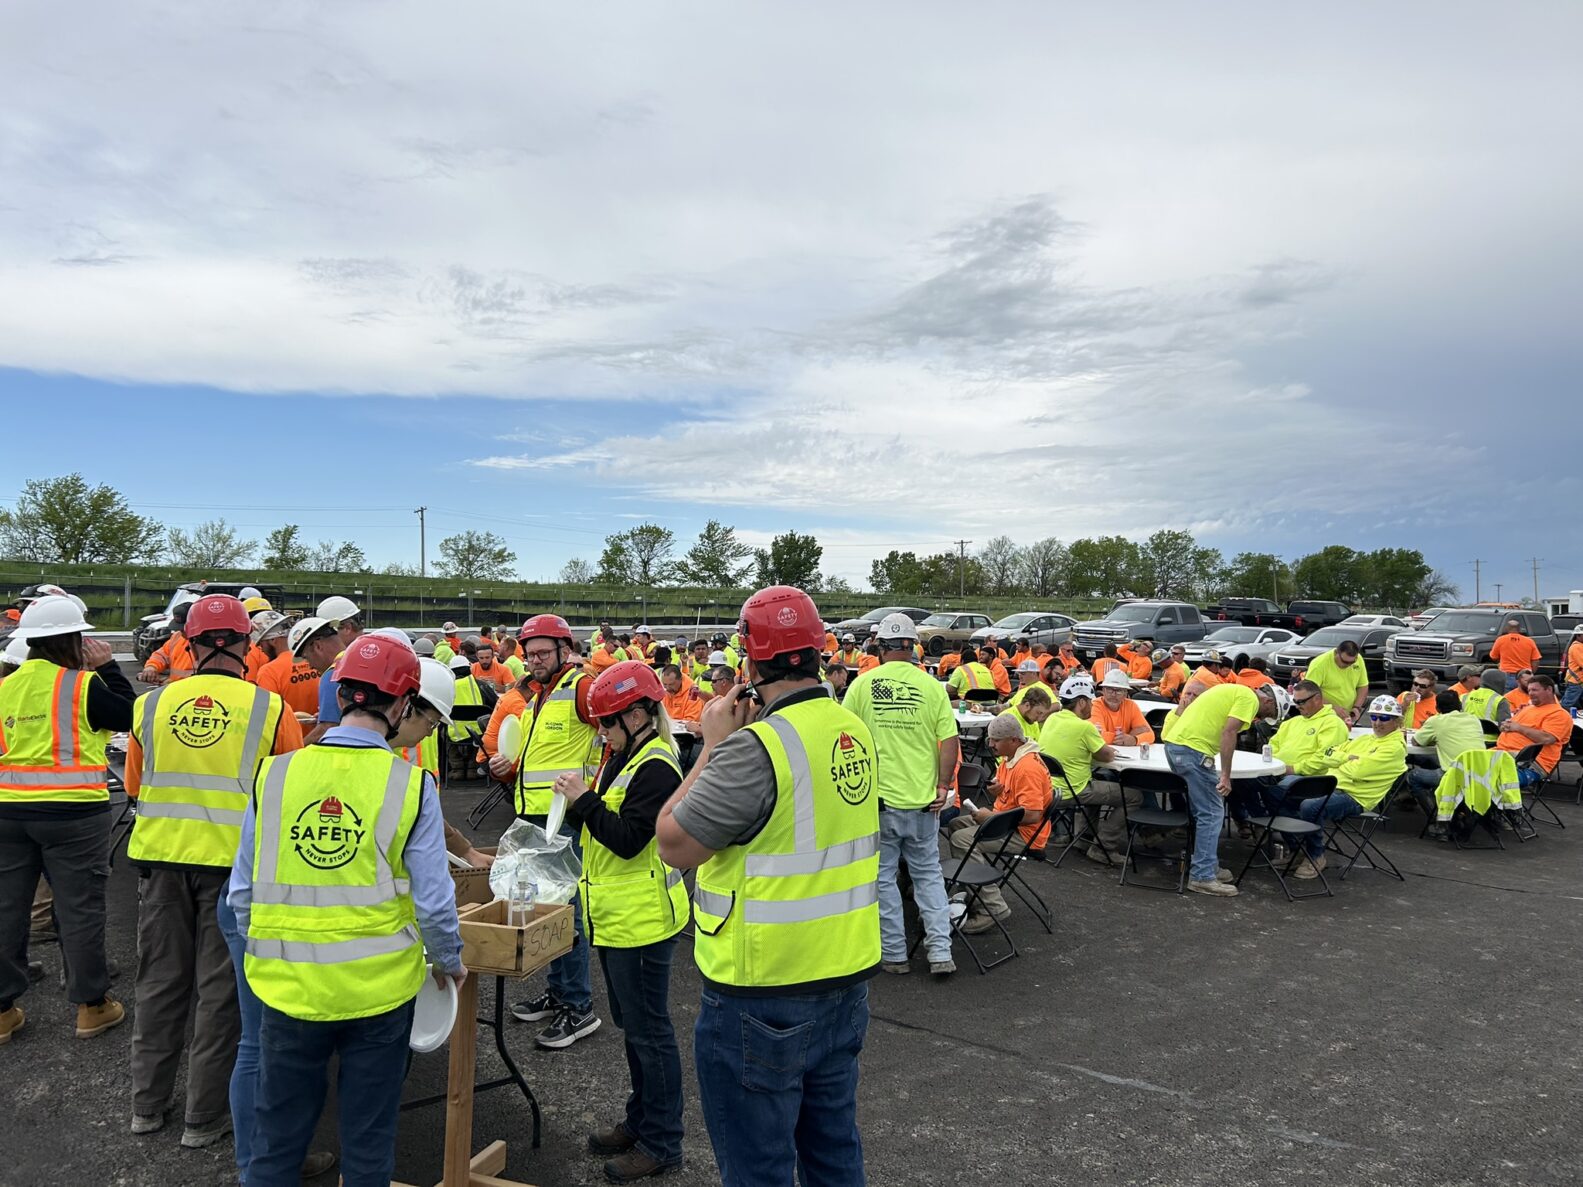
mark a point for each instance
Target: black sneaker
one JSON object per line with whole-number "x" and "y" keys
{"x": 568, "y": 1027}
{"x": 543, "y": 1006}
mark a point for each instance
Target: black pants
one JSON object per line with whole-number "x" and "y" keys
{"x": 75, "y": 852}
{"x": 639, "y": 981}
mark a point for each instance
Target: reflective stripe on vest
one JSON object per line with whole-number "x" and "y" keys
{"x": 467, "y": 693}
{"x": 1483, "y": 703}
{"x": 190, "y": 807}
{"x": 51, "y": 755}
{"x": 555, "y": 742}
{"x": 798, "y": 905}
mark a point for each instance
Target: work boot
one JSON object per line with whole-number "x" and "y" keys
{"x": 1437, "y": 832}
{"x": 10, "y": 1022}
{"x": 942, "y": 968}
{"x": 615, "y": 1140}
{"x": 1224, "y": 875}
{"x": 896, "y": 968}
{"x": 1216, "y": 889}
{"x": 1103, "y": 857}
{"x": 634, "y": 1165}
{"x": 148, "y": 1122}
{"x": 196, "y": 1137}
{"x": 1308, "y": 867}
{"x": 978, "y": 923}
{"x": 95, "y": 1020}
{"x": 317, "y": 1162}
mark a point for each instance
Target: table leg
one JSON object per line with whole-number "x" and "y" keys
{"x": 505, "y": 1056}
{"x": 459, "y": 1088}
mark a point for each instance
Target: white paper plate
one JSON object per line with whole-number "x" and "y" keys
{"x": 510, "y": 738}
{"x": 557, "y": 813}
{"x": 433, "y": 1014}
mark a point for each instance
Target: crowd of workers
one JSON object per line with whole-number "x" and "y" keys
{"x": 291, "y": 844}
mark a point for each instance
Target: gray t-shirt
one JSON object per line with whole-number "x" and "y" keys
{"x": 733, "y": 797}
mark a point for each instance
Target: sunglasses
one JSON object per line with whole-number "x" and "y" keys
{"x": 1382, "y": 717}
{"x": 1304, "y": 700}
{"x": 607, "y": 722}
{"x": 1421, "y": 684}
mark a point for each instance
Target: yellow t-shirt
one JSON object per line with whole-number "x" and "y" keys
{"x": 1340, "y": 685}
{"x": 1073, "y": 742}
{"x": 1198, "y": 726}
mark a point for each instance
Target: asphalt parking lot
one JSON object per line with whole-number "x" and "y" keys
{"x": 1423, "y": 1032}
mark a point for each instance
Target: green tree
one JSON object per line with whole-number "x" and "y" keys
{"x": 791, "y": 559}
{"x": 1335, "y": 573}
{"x": 1258, "y": 575}
{"x": 640, "y": 555}
{"x": 718, "y": 559}
{"x": 1000, "y": 560}
{"x": 1105, "y": 567}
{"x": 1436, "y": 589}
{"x": 577, "y": 571}
{"x": 834, "y": 585}
{"x": 64, "y": 521}
{"x": 476, "y": 556}
{"x": 1041, "y": 565}
{"x": 211, "y": 545}
{"x": 330, "y": 556}
{"x": 1392, "y": 577}
{"x": 896, "y": 573}
{"x": 284, "y": 549}
{"x": 1172, "y": 565}
{"x": 949, "y": 575}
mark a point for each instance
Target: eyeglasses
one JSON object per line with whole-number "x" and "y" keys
{"x": 1382, "y": 717}
{"x": 538, "y": 653}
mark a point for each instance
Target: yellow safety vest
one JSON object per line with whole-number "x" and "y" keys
{"x": 553, "y": 742}
{"x": 977, "y": 676}
{"x": 798, "y": 905}
{"x": 425, "y": 754}
{"x": 629, "y": 902}
{"x": 333, "y": 933}
{"x": 203, "y": 741}
{"x": 467, "y": 693}
{"x": 51, "y": 756}
{"x": 1483, "y": 703}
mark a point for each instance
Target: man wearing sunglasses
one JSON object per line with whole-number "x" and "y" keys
{"x": 1419, "y": 700}
{"x": 1342, "y": 677}
{"x": 1302, "y": 742}
{"x": 1366, "y": 769}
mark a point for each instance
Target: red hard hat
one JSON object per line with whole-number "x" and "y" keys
{"x": 217, "y": 612}
{"x": 778, "y": 620}
{"x": 622, "y": 685}
{"x": 381, "y": 662}
{"x": 546, "y": 626}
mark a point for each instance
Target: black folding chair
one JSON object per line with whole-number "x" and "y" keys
{"x": 1066, "y": 809}
{"x": 1286, "y": 822}
{"x": 1010, "y": 855}
{"x": 492, "y": 800}
{"x": 1533, "y": 797}
{"x": 1171, "y": 788}
{"x": 1352, "y": 839}
{"x": 974, "y": 875}
{"x": 1491, "y": 730}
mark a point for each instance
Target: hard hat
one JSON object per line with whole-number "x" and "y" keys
{"x": 380, "y": 661}
{"x": 898, "y": 627}
{"x": 1213, "y": 657}
{"x": 450, "y": 628}
{"x": 717, "y": 659}
{"x": 1280, "y": 698}
{"x": 1385, "y": 705}
{"x": 219, "y": 614}
{"x": 256, "y": 603}
{"x": 719, "y": 638}
{"x": 248, "y": 591}
{"x": 436, "y": 687}
{"x": 1077, "y": 686}
{"x": 267, "y": 623}
{"x": 642, "y": 630}
{"x": 302, "y": 631}
{"x": 335, "y": 610}
{"x": 1116, "y": 678}
{"x": 49, "y": 616}
{"x": 1159, "y": 655}
{"x": 849, "y": 637}
{"x": 545, "y": 626}
{"x": 183, "y": 597}
{"x": 15, "y": 651}
{"x": 396, "y": 634}
{"x": 45, "y": 590}
{"x": 423, "y": 647}
{"x": 779, "y": 620}
{"x": 622, "y": 685}
{"x": 459, "y": 663}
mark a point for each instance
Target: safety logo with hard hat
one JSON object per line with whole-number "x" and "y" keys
{"x": 851, "y": 769}
{"x": 327, "y": 834}
{"x": 199, "y": 722}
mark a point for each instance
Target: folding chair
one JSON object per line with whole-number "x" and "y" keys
{"x": 975, "y": 876}
{"x": 1306, "y": 788}
{"x": 1012, "y": 853}
{"x": 1527, "y": 759}
{"x": 1066, "y": 809}
{"x": 492, "y": 800}
{"x": 1353, "y": 837}
{"x": 1171, "y": 787}
{"x": 1491, "y": 730}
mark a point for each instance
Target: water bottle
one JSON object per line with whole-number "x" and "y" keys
{"x": 524, "y": 893}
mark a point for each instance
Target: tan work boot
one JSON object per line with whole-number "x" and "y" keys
{"x": 95, "y": 1020}
{"x": 1309, "y": 869}
{"x": 10, "y": 1022}
{"x": 1214, "y": 889}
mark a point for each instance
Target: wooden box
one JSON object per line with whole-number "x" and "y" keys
{"x": 490, "y": 945}
{"x": 472, "y": 885}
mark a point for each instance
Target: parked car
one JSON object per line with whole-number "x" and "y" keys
{"x": 1239, "y": 644}
{"x": 1373, "y": 620}
{"x": 1564, "y": 624}
{"x": 1316, "y": 615}
{"x": 1419, "y": 619}
{"x": 949, "y": 629}
{"x": 869, "y": 623}
{"x": 153, "y": 629}
{"x": 1459, "y": 637}
{"x": 1288, "y": 660}
{"x": 1165, "y": 622}
{"x": 1250, "y": 612}
{"x": 1040, "y": 626}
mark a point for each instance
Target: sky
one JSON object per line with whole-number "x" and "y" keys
{"x": 895, "y": 275}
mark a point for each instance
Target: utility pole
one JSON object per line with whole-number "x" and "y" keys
{"x": 1536, "y": 561}
{"x": 1498, "y": 591}
{"x": 1478, "y": 583}
{"x": 423, "y": 543}
{"x": 961, "y": 567}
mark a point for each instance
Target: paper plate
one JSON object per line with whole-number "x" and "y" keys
{"x": 510, "y": 738}
{"x": 557, "y": 813}
{"x": 433, "y": 1014}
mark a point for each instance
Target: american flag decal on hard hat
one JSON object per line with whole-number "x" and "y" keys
{"x": 627, "y": 685}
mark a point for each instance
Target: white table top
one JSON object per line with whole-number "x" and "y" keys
{"x": 1363, "y": 731}
{"x": 973, "y": 721}
{"x": 680, "y": 730}
{"x": 1244, "y": 765}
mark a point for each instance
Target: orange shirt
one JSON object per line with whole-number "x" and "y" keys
{"x": 174, "y": 658}
{"x": 256, "y": 659}
{"x": 293, "y": 681}
{"x": 1068, "y": 666}
{"x": 288, "y": 737}
{"x": 1552, "y": 718}
{"x": 1253, "y": 678}
{"x": 1025, "y": 784}
{"x": 947, "y": 661}
{"x": 1002, "y": 677}
{"x": 601, "y": 659}
{"x": 498, "y": 674}
{"x": 1207, "y": 678}
{"x": 1128, "y": 719}
{"x": 1574, "y": 668}
{"x": 1423, "y": 710}
{"x": 1103, "y": 664}
{"x": 867, "y": 662}
{"x": 1460, "y": 689}
{"x": 1017, "y": 658}
{"x": 1515, "y": 652}
{"x": 1517, "y": 699}
{"x": 685, "y": 705}
{"x": 831, "y": 643}
{"x": 1172, "y": 678}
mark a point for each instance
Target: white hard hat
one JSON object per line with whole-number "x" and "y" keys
{"x": 450, "y": 628}
{"x": 1077, "y": 686}
{"x": 336, "y": 610}
{"x": 1116, "y": 678}
{"x": 1385, "y": 706}
{"x": 267, "y": 623}
{"x": 717, "y": 659}
{"x": 15, "y": 651}
{"x": 1282, "y": 700}
{"x": 395, "y": 633}
{"x": 47, "y": 590}
{"x": 897, "y": 626}
{"x": 55, "y": 614}
{"x": 301, "y": 630}
{"x": 436, "y": 686}
{"x": 459, "y": 663}
{"x": 248, "y": 591}
{"x": 642, "y": 630}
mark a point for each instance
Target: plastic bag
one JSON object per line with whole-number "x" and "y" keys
{"x": 550, "y": 861}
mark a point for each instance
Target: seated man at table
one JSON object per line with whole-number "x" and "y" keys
{"x": 1545, "y": 722}
{"x": 1027, "y": 673}
{"x": 1105, "y": 663}
{"x": 1116, "y": 715}
{"x": 1069, "y": 737}
{"x": 1195, "y": 736}
{"x": 1487, "y": 702}
{"x": 1049, "y": 679}
{"x": 1517, "y": 695}
{"x": 1420, "y": 698}
{"x": 1256, "y": 672}
{"x": 1021, "y": 654}
{"x": 991, "y": 658}
{"x": 1066, "y": 656}
{"x": 1171, "y": 673}
{"x": 1468, "y": 678}
{"x": 1138, "y": 656}
{"x": 971, "y": 680}
{"x": 1021, "y": 781}
{"x": 1366, "y": 769}
{"x": 1451, "y": 731}
{"x": 1031, "y": 710}
{"x": 1302, "y": 742}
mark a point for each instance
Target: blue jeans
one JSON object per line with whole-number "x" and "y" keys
{"x": 1570, "y": 696}
{"x": 913, "y": 837}
{"x": 1338, "y": 806}
{"x": 244, "y": 1076}
{"x": 292, "y": 1080}
{"x": 1209, "y": 810}
{"x": 778, "y": 1081}
{"x": 639, "y": 981}
{"x": 1527, "y": 777}
{"x": 569, "y": 978}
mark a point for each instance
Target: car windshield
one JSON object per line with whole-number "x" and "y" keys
{"x": 1015, "y": 621}
{"x": 1235, "y": 634}
{"x": 1330, "y": 637}
{"x": 1468, "y": 624}
{"x": 938, "y": 620}
{"x": 1134, "y": 613}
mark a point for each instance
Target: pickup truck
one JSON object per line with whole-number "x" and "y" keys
{"x": 1457, "y": 637}
{"x": 1164, "y": 622}
{"x": 1304, "y": 617}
